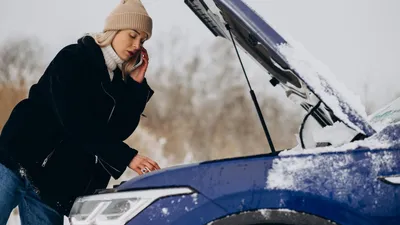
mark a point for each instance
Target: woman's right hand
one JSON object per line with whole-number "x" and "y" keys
{"x": 139, "y": 73}
{"x": 141, "y": 164}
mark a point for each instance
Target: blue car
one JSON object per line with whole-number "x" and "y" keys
{"x": 345, "y": 169}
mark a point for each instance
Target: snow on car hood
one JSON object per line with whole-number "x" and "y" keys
{"x": 305, "y": 80}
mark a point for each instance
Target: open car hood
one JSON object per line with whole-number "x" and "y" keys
{"x": 302, "y": 84}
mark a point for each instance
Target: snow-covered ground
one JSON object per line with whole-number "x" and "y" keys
{"x": 14, "y": 219}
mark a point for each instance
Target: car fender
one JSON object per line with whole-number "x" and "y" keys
{"x": 279, "y": 202}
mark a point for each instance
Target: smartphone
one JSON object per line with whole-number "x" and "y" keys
{"x": 139, "y": 60}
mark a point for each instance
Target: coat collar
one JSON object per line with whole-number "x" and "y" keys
{"x": 96, "y": 57}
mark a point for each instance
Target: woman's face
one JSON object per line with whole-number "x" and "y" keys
{"x": 127, "y": 42}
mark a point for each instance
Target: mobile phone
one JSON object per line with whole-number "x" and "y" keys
{"x": 139, "y": 60}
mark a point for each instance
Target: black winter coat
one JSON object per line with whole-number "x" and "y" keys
{"x": 68, "y": 134}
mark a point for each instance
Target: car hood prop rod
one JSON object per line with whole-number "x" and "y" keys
{"x": 253, "y": 95}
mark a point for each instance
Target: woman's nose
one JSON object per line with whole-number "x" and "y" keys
{"x": 136, "y": 46}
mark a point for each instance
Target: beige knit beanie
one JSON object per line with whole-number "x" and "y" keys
{"x": 129, "y": 14}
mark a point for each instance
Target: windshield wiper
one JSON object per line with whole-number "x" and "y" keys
{"x": 253, "y": 96}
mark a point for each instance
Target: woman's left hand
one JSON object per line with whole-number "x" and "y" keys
{"x": 141, "y": 164}
{"x": 139, "y": 73}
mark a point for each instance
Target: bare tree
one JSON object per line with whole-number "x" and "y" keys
{"x": 202, "y": 107}
{"x": 20, "y": 60}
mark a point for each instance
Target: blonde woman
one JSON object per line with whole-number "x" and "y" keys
{"x": 66, "y": 139}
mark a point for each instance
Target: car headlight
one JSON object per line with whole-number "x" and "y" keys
{"x": 117, "y": 208}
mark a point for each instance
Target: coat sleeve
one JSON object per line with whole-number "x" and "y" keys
{"x": 71, "y": 102}
{"x": 135, "y": 97}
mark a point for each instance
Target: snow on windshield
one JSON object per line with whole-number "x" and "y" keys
{"x": 343, "y": 102}
{"x": 389, "y": 114}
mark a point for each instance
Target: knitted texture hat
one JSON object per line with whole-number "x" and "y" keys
{"x": 129, "y": 14}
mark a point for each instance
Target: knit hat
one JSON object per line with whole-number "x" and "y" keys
{"x": 129, "y": 14}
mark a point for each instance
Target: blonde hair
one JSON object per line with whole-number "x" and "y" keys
{"x": 105, "y": 39}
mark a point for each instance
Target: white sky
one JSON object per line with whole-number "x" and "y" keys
{"x": 357, "y": 39}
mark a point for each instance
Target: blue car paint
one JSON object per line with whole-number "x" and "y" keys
{"x": 240, "y": 184}
{"x": 190, "y": 209}
{"x": 340, "y": 186}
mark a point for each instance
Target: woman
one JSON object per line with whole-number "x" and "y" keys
{"x": 66, "y": 139}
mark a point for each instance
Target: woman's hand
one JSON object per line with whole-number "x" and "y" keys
{"x": 141, "y": 164}
{"x": 139, "y": 73}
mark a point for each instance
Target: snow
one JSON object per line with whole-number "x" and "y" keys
{"x": 337, "y": 134}
{"x": 265, "y": 212}
{"x": 388, "y": 114}
{"x": 368, "y": 143}
{"x": 299, "y": 173}
{"x": 389, "y": 137}
{"x": 15, "y": 220}
{"x": 194, "y": 196}
{"x": 323, "y": 82}
{"x": 301, "y": 170}
{"x": 165, "y": 211}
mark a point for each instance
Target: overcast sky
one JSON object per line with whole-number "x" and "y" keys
{"x": 357, "y": 39}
